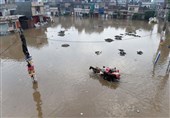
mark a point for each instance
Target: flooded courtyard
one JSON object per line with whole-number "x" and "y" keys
{"x": 67, "y": 88}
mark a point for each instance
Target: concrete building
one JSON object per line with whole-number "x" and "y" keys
{"x": 133, "y": 8}
{"x": 8, "y": 23}
{"x": 7, "y": 7}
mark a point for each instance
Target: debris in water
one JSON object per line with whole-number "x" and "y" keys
{"x": 81, "y": 114}
{"x": 118, "y": 37}
{"x": 98, "y": 52}
{"x": 61, "y": 33}
{"x": 122, "y": 53}
{"x": 139, "y": 52}
{"x": 109, "y": 40}
{"x": 137, "y": 111}
{"x": 120, "y": 49}
{"x": 169, "y": 46}
{"x": 131, "y": 34}
{"x": 65, "y": 45}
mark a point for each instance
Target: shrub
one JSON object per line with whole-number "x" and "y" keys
{"x": 149, "y": 14}
{"x": 169, "y": 16}
{"x": 137, "y": 16}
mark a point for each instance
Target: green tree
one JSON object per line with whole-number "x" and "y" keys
{"x": 169, "y": 15}
{"x": 149, "y": 14}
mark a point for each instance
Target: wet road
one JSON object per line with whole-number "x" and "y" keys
{"x": 67, "y": 88}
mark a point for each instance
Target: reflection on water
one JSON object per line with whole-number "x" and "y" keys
{"x": 98, "y": 25}
{"x": 112, "y": 85}
{"x": 11, "y": 47}
{"x": 37, "y": 99}
{"x": 37, "y": 37}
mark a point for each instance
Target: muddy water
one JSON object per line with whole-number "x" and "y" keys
{"x": 67, "y": 88}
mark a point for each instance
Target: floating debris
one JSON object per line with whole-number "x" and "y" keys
{"x": 121, "y": 34}
{"x": 132, "y": 34}
{"x": 98, "y": 52}
{"x": 122, "y": 53}
{"x": 61, "y": 33}
{"x": 65, "y": 45}
{"x": 137, "y": 111}
{"x": 138, "y": 36}
{"x": 139, "y": 52}
{"x": 120, "y": 49}
{"x": 81, "y": 114}
{"x": 109, "y": 40}
{"x": 117, "y": 37}
{"x": 169, "y": 46}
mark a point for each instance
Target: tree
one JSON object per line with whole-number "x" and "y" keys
{"x": 149, "y": 14}
{"x": 169, "y": 16}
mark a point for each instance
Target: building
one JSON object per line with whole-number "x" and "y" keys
{"x": 8, "y": 23}
{"x": 37, "y": 9}
{"x": 133, "y": 8}
{"x": 7, "y": 7}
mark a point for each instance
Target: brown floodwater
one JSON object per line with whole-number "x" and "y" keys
{"x": 67, "y": 88}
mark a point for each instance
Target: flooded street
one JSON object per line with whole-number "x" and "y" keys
{"x": 67, "y": 88}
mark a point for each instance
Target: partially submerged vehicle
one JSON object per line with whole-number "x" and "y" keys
{"x": 110, "y": 74}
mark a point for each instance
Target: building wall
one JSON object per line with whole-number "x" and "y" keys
{"x": 24, "y": 8}
{"x": 7, "y": 7}
{"x": 35, "y": 12}
{"x": 7, "y": 1}
{"x": 37, "y": 8}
